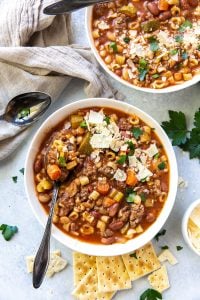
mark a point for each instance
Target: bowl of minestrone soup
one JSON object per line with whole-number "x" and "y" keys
{"x": 117, "y": 173}
{"x": 152, "y": 46}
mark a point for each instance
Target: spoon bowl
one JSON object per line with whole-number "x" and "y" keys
{"x": 27, "y": 108}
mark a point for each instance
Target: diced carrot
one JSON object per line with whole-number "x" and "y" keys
{"x": 54, "y": 172}
{"x": 103, "y": 187}
{"x": 107, "y": 202}
{"x": 163, "y": 5}
{"x": 131, "y": 178}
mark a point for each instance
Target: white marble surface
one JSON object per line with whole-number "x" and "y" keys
{"x": 15, "y": 283}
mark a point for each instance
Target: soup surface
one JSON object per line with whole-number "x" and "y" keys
{"x": 152, "y": 44}
{"x": 114, "y": 175}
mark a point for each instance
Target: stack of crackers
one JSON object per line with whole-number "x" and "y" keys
{"x": 99, "y": 278}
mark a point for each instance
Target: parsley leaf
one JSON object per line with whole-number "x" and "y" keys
{"x": 83, "y": 124}
{"x": 179, "y": 38}
{"x": 176, "y": 128}
{"x": 22, "y": 171}
{"x": 154, "y": 46}
{"x": 155, "y": 76}
{"x": 197, "y": 119}
{"x": 161, "y": 166}
{"x": 143, "y": 197}
{"x": 113, "y": 45}
{"x": 173, "y": 52}
{"x": 133, "y": 255}
{"x": 8, "y": 231}
{"x": 164, "y": 247}
{"x": 131, "y": 198}
{"x": 127, "y": 40}
{"x": 178, "y": 248}
{"x": 151, "y": 294}
{"x": 137, "y": 132}
{"x": 131, "y": 146}
{"x": 142, "y": 69}
{"x": 184, "y": 55}
{"x": 193, "y": 143}
{"x": 185, "y": 24}
{"x": 24, "y": 112}
{"x": 62, "y": 161}
{"x": 14, "y": 178}
{"x": 107, "y": 120}
{"x": 161, "y": 233}
{"x": 122, "y": 159}
{"x": 198, "y": 48}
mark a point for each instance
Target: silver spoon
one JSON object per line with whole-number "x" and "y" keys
{"x": 68, "y": 6}
{"x": 25, "y": 109}
{"x": 41, "y": 261}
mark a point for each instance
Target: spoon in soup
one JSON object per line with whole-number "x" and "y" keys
{"x": 25, "y": 109}
{"x": 41, "y": 261}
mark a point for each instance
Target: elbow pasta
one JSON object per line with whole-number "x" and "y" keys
{"x": 138, "y": 45}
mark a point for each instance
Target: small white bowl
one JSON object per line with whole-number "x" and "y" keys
{"x": 73, "y": 243}
{"x": 185, "y": 225}
{"x": 173, "y": 88}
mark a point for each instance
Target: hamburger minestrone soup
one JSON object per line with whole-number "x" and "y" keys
{"x": 113, "y": 173}
{"x": 152, "y": 44}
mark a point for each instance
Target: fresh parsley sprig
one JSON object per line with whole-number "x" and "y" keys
{"x": 8, "y": 231}
{"x": 150, "y": 294}
{"x": 176, "y": 129}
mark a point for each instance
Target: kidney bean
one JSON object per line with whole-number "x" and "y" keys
{"x": 184, "y": 4}
{"x": 150, "y": 217}
{"x": 153, "y": 8}
{"x": 193, "y": 3}
{"x": 96, "y": 214}
{"x": 44, "y": 198}
{"x": 164, "y": 187}
{"x": 38, "y": 164}
{"x": 116, "y": 225}
{"x": 165, "y": 15}
{"x": 108, "y": 241}
{"x": 113, "y": 209}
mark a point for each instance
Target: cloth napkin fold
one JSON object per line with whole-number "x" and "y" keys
{"x": 36, "y": 55}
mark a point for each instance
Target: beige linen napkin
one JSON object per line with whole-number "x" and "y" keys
{"x": 34, "y": 56}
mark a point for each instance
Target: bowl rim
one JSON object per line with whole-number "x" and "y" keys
{"x": 184, "y": 226}
{"x": 170, "y": 89}
{"x": 73, "y": 243}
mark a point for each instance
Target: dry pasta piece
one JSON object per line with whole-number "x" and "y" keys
{"x": 87, "y": 289}
{"x": 145, "y": 262}
{"x": 159, "y": 279}
{"x": 112, "y": 274}
{"x": 82, "y": 264}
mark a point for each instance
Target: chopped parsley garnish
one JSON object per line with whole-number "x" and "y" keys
{"x": 127, "y": 40}
{"x": 198, "y": 48}
{"x": 142, "y": 69}
{"x": 159, "y": 234}
{"x": 8, "y": 231}
{"x": 185, "y": 24}
{"x": 131, "y": 198}
{"x": 156, "y": 156}
{"x": 164, "y": 247}
{"x": 24, "y": 112}
{"x": 174, "y": 52}
{"x": 83, "y": 124}
{"x": 129, "y": 191}
{"x": 133, "y": 255}
{"x": 178, "y": 248}
{"x": 177, "y": 130}
{"x": 22, "y": 171}
{"x": 113, "y": 45}
{"x": 131, "y": 146}
{"x": 62, "y": 161}
{"x": 155, "y": 76}
{"x": 151, "y": 294}
{"x": 122, "y": 159}
{"x": 107, "y": 120}
{"x": 137, "y": 132}
{"x": 143, "y": 197}
{"x": 184, "y": 55}
{"x": 162, "y": 165}
{"x": 154, "y": 45}
{"x": 144, "y": 179}
{"x": 14, "y": 178}
{"x": 179, "y": 38}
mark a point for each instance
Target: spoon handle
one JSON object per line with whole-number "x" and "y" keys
{"x": 42, "y": 257}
